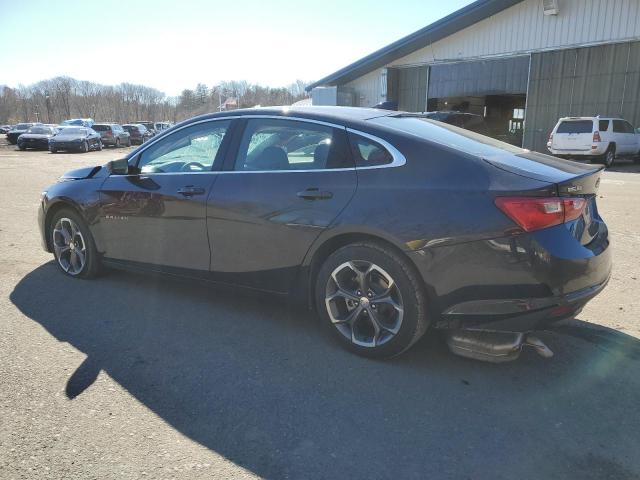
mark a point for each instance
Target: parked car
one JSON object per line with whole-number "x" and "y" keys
{"x": 161, "y": 126}
{"x": 36, "y": 137}
{"x": 138, "y": 132}
{"x": 78, "y": 122}
{"x": 389, "y": 105}
{"x": 468, "y": 121}
{"x": 113, "y": 134}
{"x": 595, "y": 138}
{"x": 387, "y": 225}
{"x": 19, "y": 129}
{"x": 79, "y": 139}
{"x": 151, "y": 126}
{"x": 5, "y": 128}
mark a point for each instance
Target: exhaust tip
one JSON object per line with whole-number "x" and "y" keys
{"x": 493, "y": 347}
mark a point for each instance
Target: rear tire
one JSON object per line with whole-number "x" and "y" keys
{"x": 53, "y": 150}
{"x": 85, "y": 147}
{"x": 387, "y": 318}
{"x": 80, "y": 260}
{"x": 117, "y": 143}
{"x": 609, "y": 157}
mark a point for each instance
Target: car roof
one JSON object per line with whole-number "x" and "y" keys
{"x": 589, "y": 118}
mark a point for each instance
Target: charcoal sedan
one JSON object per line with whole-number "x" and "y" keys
{"x": 78, "y": 139}
{"x": 36, "y": 137}
{"x": 389, "y": 225}
{"x": 19, "y": 129}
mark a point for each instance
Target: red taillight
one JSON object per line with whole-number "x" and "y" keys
{"x": 596, "y": 137}
{"x": 532, "y": 213}
{"x": 108, "y": 133}
{"x": 550, "y": 137}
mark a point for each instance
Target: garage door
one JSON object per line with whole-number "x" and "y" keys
{"x": 412, "y": 89}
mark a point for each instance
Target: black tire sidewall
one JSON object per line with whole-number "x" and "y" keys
{"x": 414, "y": 322}
{"x": 92, "y": 262}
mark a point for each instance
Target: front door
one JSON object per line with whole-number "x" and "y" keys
{"x": 287, "y": 182}
{"x": 156, "y": 214}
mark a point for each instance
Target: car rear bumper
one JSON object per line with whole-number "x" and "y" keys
{"x": 587, "y": 152}
{"x": 518, "y": 284}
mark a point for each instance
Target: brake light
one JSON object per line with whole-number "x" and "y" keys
{"x": 550, "y": 137}
{"x": 596, "y": 137}
{"x": 532, "y": 213}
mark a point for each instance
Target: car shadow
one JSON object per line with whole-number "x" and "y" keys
{"x": 262, "y": 385}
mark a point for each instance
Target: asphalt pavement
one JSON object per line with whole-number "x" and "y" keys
{"x": 136, "y": 376}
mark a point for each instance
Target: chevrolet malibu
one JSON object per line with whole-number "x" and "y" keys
{"x": 388, "y": 224}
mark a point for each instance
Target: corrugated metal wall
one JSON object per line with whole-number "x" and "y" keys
{"x": 603, "y": 80}
{"x": 523, "y": 28}
{"x": 505, "y": 76}
{"x": 412, "y": 89}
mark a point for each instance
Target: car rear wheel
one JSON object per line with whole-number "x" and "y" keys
{"x": 372, "y": 300}
{"x": 129, "y": 142}
{"x": 117, "y": 143}
{"x": 609, "y": 156}
{"x": 73, "y": 245}
{"x": 85, "y": 147}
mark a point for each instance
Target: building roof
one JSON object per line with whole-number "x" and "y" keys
{"x": 459, "y": 20}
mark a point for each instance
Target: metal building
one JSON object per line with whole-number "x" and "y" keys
{"x": 522, "y": 64}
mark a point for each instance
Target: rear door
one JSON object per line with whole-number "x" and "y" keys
{"x": 156, "y": 214}
{"x": 286, "y": 183}
{"x": 574, "y": 135}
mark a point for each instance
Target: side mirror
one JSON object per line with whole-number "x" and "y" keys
{"x": 118, "y": 167}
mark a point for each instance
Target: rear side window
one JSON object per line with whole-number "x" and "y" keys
{"x": 273, "y": 144}
{"x": 368, "y": 153}
{"x": 575, "y": 126}
{"x": 101, "y": 128}
{"x": 603, "y": 125}
{"x": 629, "y": 127}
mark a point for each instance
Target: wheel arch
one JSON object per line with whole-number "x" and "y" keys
{"x": 55, "y": 207}
{"x": 323, "y": 248}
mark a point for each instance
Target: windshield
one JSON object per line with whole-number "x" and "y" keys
{"x": 73, "y": 131}
{"x": 22, "y": 126}
{"x": 40, "y": 130}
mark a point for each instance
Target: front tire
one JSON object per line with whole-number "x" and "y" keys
{"x": 372, "y": 300}
{"x": 117, "y": 145}
{"x": 73, "y": 245}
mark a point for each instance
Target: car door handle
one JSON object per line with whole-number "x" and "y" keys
{"x": 314, "y": 194}
{"x": 190, "y": 191}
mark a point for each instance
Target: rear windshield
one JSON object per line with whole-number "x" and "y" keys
{"x": 130, "y": 128}
{"x": 575, "y": 126}
{"x": 22, "y": 126}
{"x": 74, "y": 131}
{"x": 101, "y": 128}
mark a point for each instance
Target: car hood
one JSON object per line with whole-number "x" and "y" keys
{"x": 36, "y": 136}
{"x": 81, "y": 173}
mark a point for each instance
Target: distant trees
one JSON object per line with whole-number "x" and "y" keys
{"x": 60, "y": 98}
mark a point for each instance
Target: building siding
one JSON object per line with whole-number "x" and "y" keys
{"x": 519, "y": 30}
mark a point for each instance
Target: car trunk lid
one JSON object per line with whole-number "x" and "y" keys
{"x": 573, "y": 135}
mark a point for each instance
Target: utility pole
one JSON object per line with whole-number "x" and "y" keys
{"x": 47, "y": 102}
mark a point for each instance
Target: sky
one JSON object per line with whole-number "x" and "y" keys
{"x": 173, "y": 45}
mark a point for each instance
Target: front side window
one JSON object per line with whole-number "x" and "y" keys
{"x": 368, "y": 153}
{"x": 273, "y": 144}
{"x": 192, "y": 149}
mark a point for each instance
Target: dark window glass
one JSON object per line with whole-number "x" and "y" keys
{"x": 273, "y": 144}
{"x": 476, "y": 123}
{"x": 629, "y": 128}
{"x": 619, "y": 127}
{"x": 40, "y": 130}
{"x": 603, "y": 125}
{"x": 575, "y": 126}
{"x": 192, "y": 149}
{"x": 368, "y": 153}
{"x": 101, "y": 128}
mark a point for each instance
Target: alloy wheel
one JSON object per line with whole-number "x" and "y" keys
{"x": 364, "y": 303}
{"x": 69, "y": 246}
{"x": 610, "y": 158}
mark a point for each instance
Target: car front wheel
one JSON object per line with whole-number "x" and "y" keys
{"x": 73, "y": 245}
{"x": 372, "y": 300}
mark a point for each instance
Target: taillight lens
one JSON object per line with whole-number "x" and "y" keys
{"x": 532, "y": 213}
{"x": 596, "y": 137}
{"x": 551, "y": 138}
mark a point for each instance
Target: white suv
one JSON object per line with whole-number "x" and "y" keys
{"x": 602, "y": 139}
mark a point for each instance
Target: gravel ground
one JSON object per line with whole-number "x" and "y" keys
{"x": 133, "y": 376}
